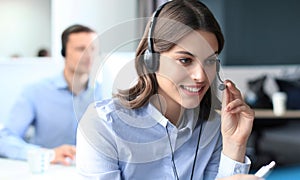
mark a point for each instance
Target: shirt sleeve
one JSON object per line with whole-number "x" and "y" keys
{"x": 96, "y": 156}
{"x": 91, "y": 164}
{"x": 222, "y": 166}
{"x": 229, "y": 167}
{"x": 12, "y": 135}
{"x": 12, "y": 146}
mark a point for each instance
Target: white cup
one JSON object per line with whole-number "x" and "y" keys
{"x": 279, "y": 103}
{"x": 39, "y": 160}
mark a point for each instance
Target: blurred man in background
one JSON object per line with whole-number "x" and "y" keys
{"x": 53, "y": 106}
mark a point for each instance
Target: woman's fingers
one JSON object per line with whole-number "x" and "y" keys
{"x": 230, "y": 94}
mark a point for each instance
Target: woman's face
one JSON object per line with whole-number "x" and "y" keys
{"x": 187, "y": 70}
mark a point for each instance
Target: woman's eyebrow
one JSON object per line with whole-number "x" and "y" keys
{"x": 213, "y": 54}
{"x": 185, "y": 52}
{"x": 190, "y": 54}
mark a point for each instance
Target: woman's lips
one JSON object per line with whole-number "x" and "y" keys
{"x": 192, "y": 89}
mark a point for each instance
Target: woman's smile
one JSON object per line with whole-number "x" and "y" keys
{"x": 192, "y": 89}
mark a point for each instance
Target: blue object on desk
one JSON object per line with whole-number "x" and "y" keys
{"x": 285, "y": 173}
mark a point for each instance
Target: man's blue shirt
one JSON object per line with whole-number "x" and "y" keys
{"x": 51, "y": 108}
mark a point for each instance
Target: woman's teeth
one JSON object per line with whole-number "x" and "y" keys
{"x": 191, "y": 89}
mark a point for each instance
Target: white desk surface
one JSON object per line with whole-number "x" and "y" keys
{"x": 15, "y": 170}
{"x": 268, "y": 114}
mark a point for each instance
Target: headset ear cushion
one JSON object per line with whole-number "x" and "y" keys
{"x": 63, "y": 52}
{"x": 151, "y": 61}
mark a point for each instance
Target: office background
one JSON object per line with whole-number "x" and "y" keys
{"x": 257, "y": 32}
{"x": 261, "y": 38}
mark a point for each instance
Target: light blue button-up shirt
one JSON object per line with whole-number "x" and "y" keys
{"x": 114, "y": 142}
{"x": 53, "y": 111}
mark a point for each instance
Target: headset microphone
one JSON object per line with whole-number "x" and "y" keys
{"x": 222, "y": 86}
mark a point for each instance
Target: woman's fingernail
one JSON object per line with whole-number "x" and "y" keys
{"x": 228, "y": 108}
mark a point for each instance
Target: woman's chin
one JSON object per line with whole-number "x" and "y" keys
{"x": 191, "y": 104}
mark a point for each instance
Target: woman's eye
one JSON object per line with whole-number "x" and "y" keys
{"x": 185, "y": 61}
{"x": 210, "y": 61}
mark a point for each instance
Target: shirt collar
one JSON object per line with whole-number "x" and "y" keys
{"x": 189, "y": 119}
{"x": 155, "y": 114}
{"x": 60, "y": 81}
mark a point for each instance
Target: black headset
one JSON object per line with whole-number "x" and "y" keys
{"x": 151, "y": 58}
{"x": 65, "y": 37}
{"x": 222, "y": 86}
{"x": 63, "y": 52}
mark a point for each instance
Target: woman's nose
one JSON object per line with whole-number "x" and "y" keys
{"x": 198, "y": 72}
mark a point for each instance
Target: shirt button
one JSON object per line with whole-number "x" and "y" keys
{"x": 237, "y": 169}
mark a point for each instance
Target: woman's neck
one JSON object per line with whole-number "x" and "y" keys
{"x": 168, "y": 107}
{"x": 174, "y": 113}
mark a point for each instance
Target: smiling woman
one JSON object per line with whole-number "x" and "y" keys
{"x": 25, "y": 27}
{"x": 164, "y": 125}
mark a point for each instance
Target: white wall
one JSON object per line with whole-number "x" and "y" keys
{"x": 28, "y": 25}
{"x": 101, "y": 15}
{"x": 25, "y": 27}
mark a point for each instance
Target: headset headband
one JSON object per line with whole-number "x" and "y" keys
{"x": 152, "y": 27}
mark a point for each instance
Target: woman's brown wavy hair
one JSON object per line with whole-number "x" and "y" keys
{"x": 170, "y": 28}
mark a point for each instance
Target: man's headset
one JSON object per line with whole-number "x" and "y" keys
{"x": 151, "y": 58}
{"x": 65, "y": 37}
